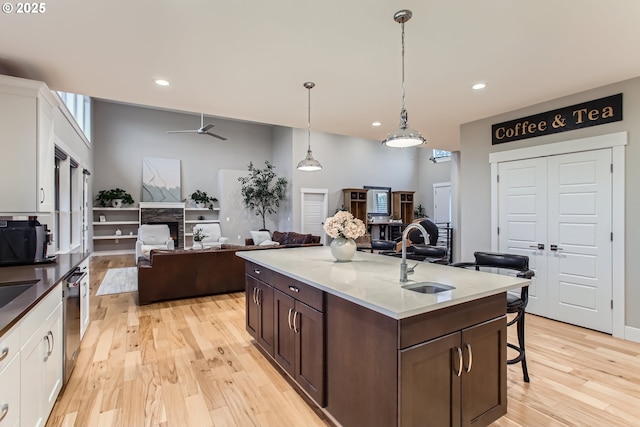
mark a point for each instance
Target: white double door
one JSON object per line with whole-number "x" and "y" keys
{"x": 557, "y": 210}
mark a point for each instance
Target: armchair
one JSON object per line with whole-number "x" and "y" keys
{"x": 153, "y": 236}
{"x": 212, "y": 235}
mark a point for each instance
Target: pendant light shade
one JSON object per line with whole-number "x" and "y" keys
{"x": 404, "y": 136}
{"x": 309, "y": 164}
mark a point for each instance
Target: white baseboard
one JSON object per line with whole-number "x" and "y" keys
{"x": 632, "y": 334}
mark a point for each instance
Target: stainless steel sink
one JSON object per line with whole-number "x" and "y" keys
{"x": 9, "y": 292}
{"x": 428, "y": 287}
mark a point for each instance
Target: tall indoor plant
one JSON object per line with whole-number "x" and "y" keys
{"x": 262, "y": 190}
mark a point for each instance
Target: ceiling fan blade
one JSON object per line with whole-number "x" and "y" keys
{"x": 182, "y": 131}
{"x": 216, "y": 136}
{"x": 207, "y": 127}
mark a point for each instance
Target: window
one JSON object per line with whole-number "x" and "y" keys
{"x": 80, "y": 108}
{"x": 440, "y": 156}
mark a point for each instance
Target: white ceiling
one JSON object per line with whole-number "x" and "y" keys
{"x": 248, "y": 60}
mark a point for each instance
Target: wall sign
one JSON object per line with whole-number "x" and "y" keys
{"x": 592, "y": 113}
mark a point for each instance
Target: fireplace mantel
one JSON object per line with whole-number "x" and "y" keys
{"x": 161, "y": 205}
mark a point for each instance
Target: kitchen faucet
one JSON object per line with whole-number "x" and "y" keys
{"x": 404, "y": 271}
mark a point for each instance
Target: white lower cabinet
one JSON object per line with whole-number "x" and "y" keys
{"x": 9, "y": 399}
{"x": 41, "y": 359}
{"x": 85, "y": 316}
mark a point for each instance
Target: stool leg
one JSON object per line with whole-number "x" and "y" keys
{"x": 525, "y": 371}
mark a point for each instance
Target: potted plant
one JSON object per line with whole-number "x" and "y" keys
{"x": 202, "y": 199}
{"x": 262, "y": 190}
{"x": 419, "y": 212}
{"x": 198, "y": 235}
{"x": 115, "y": 197}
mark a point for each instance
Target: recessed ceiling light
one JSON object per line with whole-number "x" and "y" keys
{"x": 376, "y": 124}
{"x": 479, "y": 86}
{"x": 161, "y": 82}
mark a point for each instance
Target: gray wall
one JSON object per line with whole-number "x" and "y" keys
{"x": 474, "y": 174}
{"x": 125, "y": 134}
{"x": 429, "y": 174}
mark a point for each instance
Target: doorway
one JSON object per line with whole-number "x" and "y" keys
{"x": 561, "y": 205}
{"x": 313, "y": 207}
{"x": 442, "y": 202}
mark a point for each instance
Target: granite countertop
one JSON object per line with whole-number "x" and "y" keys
{"x": 372, "y": 280}
{"x": 46, "y": 277}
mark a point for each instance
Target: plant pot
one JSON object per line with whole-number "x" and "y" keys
{"x": 116, "y": 203}
{"x": 201, "y": 205}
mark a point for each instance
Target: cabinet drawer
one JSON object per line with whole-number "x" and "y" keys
{"x": 9, "y": 346}
{"x": 34, "y": 319}
{"x": 309, "y": 295}
{"x": 10, "y": 394}
{"x": 258, "y": 271}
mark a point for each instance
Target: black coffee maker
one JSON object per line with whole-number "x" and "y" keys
{"x": 23, "y": 242}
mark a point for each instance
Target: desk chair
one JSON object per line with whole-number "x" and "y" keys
{"x": 516, "y": 304}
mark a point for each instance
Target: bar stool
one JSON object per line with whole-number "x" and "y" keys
{"x": 515, "y": 304}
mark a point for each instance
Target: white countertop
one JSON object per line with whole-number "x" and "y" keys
{"x": 372, "y": 280}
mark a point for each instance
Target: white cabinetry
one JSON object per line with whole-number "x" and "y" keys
{"x": 10, "y": 379}
{"x": 41, "y": 359}
{"x": 84, "y": 298}
{"x": 26, "y": 132}
{"x": 193, "y": 216}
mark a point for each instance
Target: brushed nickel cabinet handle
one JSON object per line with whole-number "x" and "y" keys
{"x": 255, "y": 270}
{"x": 53, "y": 343}
{"x": 459, "y": 361}
{"x": 255, "y": 300}
{"x": 294, "y": 288}
{"x": 258, "y": 296}
{"x": 42, "y": 195}
{"x": 5, "y": 411}
{"x": 5, "y": 353}
{"x": 295, "y": 315}
{"x": 289, "y": 318}
{"x": 468, "y": 347}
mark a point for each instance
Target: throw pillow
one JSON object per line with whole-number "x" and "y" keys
{"x": 298, "y": 238}
{"x": 269, "y": 243}
{"x": 260, "y": 236}
{"x": 280, "y": 237}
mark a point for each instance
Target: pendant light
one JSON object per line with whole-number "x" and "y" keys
{"x": 404, "y": 136}
{"x": 309, "y": 164}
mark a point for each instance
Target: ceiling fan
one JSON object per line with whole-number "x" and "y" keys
{"x": 203, "y": 130}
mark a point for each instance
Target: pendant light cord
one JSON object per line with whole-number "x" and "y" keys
{"x": 309, "y": 121}
{"x": 403, "y": 105}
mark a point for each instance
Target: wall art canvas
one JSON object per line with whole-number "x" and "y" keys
{"x": 160, "y": 180}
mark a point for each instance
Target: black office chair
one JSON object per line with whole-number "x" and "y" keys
{"x": 515, "y": 304}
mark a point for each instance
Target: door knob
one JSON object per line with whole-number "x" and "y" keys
{"x": 539, "y": 246}
{"x": 555, "y": 248}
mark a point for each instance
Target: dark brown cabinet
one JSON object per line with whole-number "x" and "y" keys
{"x": 286, "y": 319}
{"x": 299, "y": 343}
{"x": 459, "y": 375}
{"x": 259, "y": 304}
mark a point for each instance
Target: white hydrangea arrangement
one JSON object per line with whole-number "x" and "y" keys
{"x": 343, "y": 224}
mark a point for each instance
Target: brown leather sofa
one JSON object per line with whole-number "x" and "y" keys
{"x": 291, "y": 239}
{"x": 173, "y": 274}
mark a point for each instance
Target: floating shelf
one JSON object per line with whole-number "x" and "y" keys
{"x": 125, "y": 236}
{"x": 116, "y": 223}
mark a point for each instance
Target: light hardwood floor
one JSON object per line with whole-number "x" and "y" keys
{"x": 191, "y": 363}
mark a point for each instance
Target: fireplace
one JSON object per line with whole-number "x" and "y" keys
{"x": 171, "y": 214}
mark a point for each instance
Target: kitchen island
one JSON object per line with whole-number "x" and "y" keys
{"x": 372, "y": 353}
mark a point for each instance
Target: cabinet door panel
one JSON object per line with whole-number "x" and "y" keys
{"x": 251, "y": 287}
{"x": 310, "y": 351}
{"x": 266, "y": 336}
{"x": 32, "y": 380}
{"x": 10, "y": 394}
{"x": 429, "y": 385}
{"x": 284, "y": 345}
{"x": 484, "y": 388}
{"x": 18, "y": 160}
{"x": 53, "y": 361}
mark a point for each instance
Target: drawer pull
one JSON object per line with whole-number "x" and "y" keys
{"x": 255, "y": 270}
{"x": 4, "y": 411}
{"x": 294, "y": 289}
{"x": 5, "y": 353}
